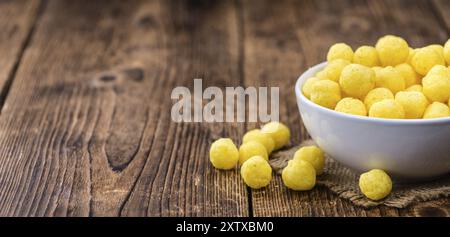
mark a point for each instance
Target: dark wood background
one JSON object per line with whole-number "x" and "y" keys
{"x": 85, "y": 126}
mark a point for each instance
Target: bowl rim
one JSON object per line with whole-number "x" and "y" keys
{"x": 356, "y": 118}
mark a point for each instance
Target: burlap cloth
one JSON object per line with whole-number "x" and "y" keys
{"x": 344, "y": 183}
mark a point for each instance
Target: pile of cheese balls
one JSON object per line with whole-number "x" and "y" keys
{"x": 299, "y": 174}
{"x": 390, "y": 80}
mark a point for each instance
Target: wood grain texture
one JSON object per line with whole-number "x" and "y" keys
{"x": 441, "y": 9}
{"x": 277, "y": 51}
{"x": 86, "y": 128}
{"x": 17, "y": 19}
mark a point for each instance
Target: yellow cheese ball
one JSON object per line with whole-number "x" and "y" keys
{"x": 376, "y": 68}
{"x": 312, "y": 154}
{"x": 417, "y": 88}
{"x": 410, "y": 76}
{"x": 250, "y": 149}
{"x": 375, "y": 184}
{"x": 340, "y": 51}
{"x": 436, "y": 110}
{"x": 392, "y": 50}
{"x": 258, "y": 136}
{"x": 307, "y": 86}
{"x": 223, "y": 154}
{"x": 436, "y": 88}
{"x": 357, "y": 80}
{"x": 439, "y": 70}
{"x": 326, "y": 93}
{"x": 367, "y": 56}
{"x": 256, "y": 172}
{"x": 414, "y": 103}
{"x": 377, "y": 95}
{"x": 351, "y": 106}
{"x": 387, "y": 109}
{"x": 390, "y": 78}
{"x": 321, "y": 75}
{"x": 278, "y": 132}
{"x": 426, "y": 58}
{"x": 447, "y": 52}
{"x": 299, "y": 175}
{"x": 410, "y": 56}
{"x": 438, "y": 48}
{"x": 333, "y": 70}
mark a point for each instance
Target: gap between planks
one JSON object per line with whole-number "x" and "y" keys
{"x": 12, "y": 74}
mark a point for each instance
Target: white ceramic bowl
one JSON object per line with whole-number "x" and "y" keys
{"x": 408, "y": 149}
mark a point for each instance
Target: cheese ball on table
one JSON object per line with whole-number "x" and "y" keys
{"x": 375, "y": 184}
{"x": 377, "y": 95}
{"x": 357, "y": 80}
{"x": 250, "y": 149}
{"x": 256, "y": 172}
{"x": 326, "y": 93}
{"x": 391, "y": 79}
{"x": 299, "y": 175}
{"x": 411, "y": 54}
{"x": 417, "y": 88}
{"x": 279, "y": 133}
{"x": 439, "y": 70}
{"x": 351, "y": 106}
{"x": 223, "y": 154}
{"x": 410, "y": 76}
{"x": 376, "y": 68}
{"x": 387, "y": 109}
{"x": 436, "y": 88}
{"x": 307, "y": 86}
{"x": 258, "y": 136}
{"x": 424, "y": 59}
{"x": 438, "y": 49}
{"x": 414, "y": 103}
{"x": 367, "y": 56}
{"x": 436, "y": 110}
{"x": 392, "y": 50}
{"x": 312, "y": 154}
{"x": 340, "y": 51}
{"x": 333, "y": 70}
{"x": 447, "y": 52}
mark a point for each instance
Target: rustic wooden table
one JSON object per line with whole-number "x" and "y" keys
{"x": 85, "y": 126}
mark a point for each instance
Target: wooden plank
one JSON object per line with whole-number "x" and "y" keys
{"x": 86, "y": 128}
{"x": 441, "y": 9}
{"x": 192, "y": 187}
{"x": 16, "y": 22}
{"x": 299, "y": 38}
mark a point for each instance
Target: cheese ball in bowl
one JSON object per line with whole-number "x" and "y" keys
{"x": 407, "y": 149}
{"x": 392, "y": 50}
{"x": 357, "y": 80}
